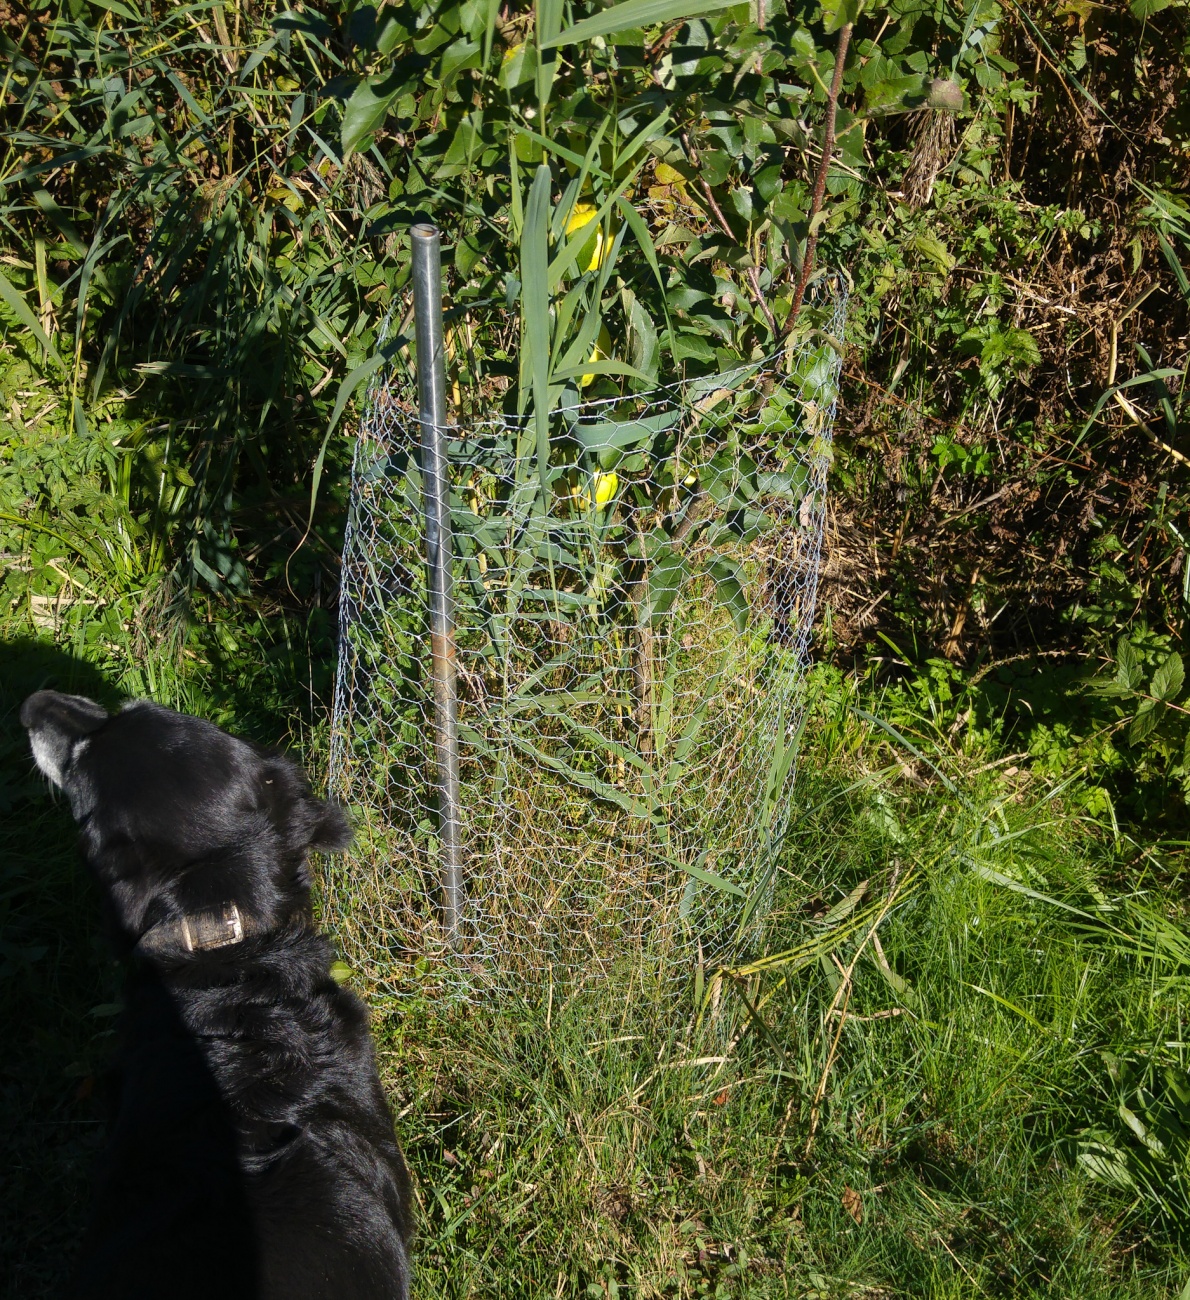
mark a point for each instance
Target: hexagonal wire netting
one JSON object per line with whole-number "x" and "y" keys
{"x": 631, "y": 646}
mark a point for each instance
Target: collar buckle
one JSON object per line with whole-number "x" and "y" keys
{"x": 217, "y": 927}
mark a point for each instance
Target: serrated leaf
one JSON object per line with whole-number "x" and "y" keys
{"x": 1143, "y": 723}
{"x": 931, "y": 247}
{"x": 1128, "y": 665}
{"x": 1169, "y": 679}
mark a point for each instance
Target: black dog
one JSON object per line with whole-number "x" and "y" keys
{"x": 251, "y": 1152}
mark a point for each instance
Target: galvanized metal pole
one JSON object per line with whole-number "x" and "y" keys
{"x": 431, "y": 391}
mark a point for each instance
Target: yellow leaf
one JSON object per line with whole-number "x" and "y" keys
{"x": 605, "y": 488}
{"x": 583, "y": 215}
{"x": 599, "y": 353}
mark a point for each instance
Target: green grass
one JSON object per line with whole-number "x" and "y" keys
{"x": 622, "y": 1139}
{"x": 615, "y": 1141}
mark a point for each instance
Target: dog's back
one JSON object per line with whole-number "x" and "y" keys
{"x": 251, "y": 1151}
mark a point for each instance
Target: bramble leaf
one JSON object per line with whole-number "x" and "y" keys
{"x": 1168, "y": 679}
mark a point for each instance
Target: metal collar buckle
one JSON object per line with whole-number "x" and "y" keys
{"x": 215, "y": 928}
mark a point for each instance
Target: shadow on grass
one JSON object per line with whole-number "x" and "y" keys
{"x": 57, "y": 990}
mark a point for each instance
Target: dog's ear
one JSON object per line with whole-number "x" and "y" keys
{"x": 68, "y": 715}
{"x": 331, "y": 831}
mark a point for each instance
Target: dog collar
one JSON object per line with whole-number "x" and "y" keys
{"x": 214, "y": 927}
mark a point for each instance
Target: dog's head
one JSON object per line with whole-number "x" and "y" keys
{"x": 175, "y": 815}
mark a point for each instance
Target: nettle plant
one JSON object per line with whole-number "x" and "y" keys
{"x": 1148, "y": 682}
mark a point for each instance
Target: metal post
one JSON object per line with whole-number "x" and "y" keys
{"x": 431, "y": 391}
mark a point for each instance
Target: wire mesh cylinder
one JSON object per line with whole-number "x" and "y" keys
{"x": 630, "y": 645}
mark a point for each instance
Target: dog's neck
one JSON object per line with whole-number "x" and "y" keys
{"x": 225, "y": 926}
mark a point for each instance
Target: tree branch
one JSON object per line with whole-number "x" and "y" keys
{"x": 828, "y": 148}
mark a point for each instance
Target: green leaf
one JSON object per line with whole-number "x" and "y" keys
{"x": 25, "y": 315}
{"x": 845, "y": 907}
{"x": 692, "y": 346}
{"x": 351, "y": 382}
{"x": 1143, "y": 723}
{"x": 600, "y": 368}
{"x": 622, "y": 434}
{"x": 665, "y": 581}
{"x": 730, "y": 589}
{"x": 462, "y": 54}
{"x": 932, "y": 248}
{"x": 899, "y": 985}
{"x": 61, "y": 222}
{"x": 365, "y": 112}
{"x": 390, "y": 32}
{"x": 535, "y": 308}
{"x": 644, "y": 239}
{"x": 838, "y": 13}
{"x": 635, "y": 13}
{"x": 1168, "y": 679}
{"x": 710, "y": 878}
{"x": 548, "y": 19}
{"x": 518, "y": 65}
{"x": 1106, "y": 1163}
{"x": 1128, "y": 665}
{"x": 645, "y": 347}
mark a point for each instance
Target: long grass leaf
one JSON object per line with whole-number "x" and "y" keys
{"x": 644, "y": 241}
{"x": 912, "y": 748}
{"x": 24, "y": 314}
{"x": 535, "y": 310}
{"x": 631, "y": 14}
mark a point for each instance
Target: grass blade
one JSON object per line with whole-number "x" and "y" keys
{"x": 633, "y": 13}
{"x": 24, "y": 314}
{"x": 535, "y": 309}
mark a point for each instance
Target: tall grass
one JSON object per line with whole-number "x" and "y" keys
{"x": 961, "y": 1070}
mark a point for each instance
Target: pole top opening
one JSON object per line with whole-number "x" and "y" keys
{"x": 424, "y": 230}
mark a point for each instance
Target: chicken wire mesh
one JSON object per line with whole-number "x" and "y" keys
{"x": 632, "y": 625}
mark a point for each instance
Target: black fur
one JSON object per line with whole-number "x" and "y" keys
{"x": 251, "y": 1152}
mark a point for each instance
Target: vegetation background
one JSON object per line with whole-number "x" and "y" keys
{"x": 964, "y": 1069}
